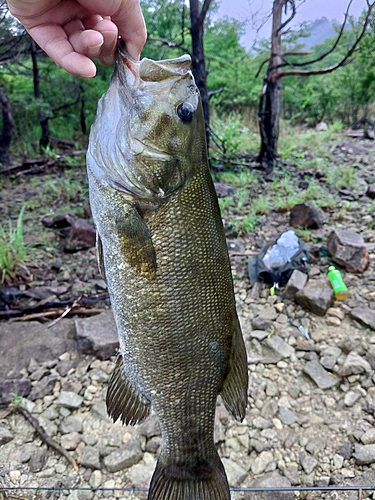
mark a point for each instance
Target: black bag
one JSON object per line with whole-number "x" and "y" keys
{"x": 278, "y": 274}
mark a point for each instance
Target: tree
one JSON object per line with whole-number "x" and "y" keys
{"x": 280, "y": 65}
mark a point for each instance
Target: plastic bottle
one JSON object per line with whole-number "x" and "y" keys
{"x": 337, "y": 283}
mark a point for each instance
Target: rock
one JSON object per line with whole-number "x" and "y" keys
{"x": 140, "y": 474}
{"x": 286, "y": 416}
{"x": 328, "y": 362}
{"x": 276, "y": 347}
{"x": 71, "y": 424}
{"x": 259, "y": 334}
{"x": 317, "y": 300}
{"x": 223, "y": 190}
{"x": 365, "y": 454}
{"x": 306, "y": 215}
{"x": 97, "y": 335}
{"x": 308, "y": 462}
{"x": 43, "y": 388}
{"x": 345, "y": 450}
{"x": 261, "y": 323}
{"x": 268, "y": 313}
{"x": 321, "y": 127}
{"x": 235, "y": 473}
{"x": 261, "y": 462}
{"x": 150, "y": 427}
{"x": 71, "y": 441}
{"x": 364, "y": 315}
{"x": 38, "y": 460}
{"x": 369, "y": 436}
{"x": 319, "y": 375}
{"x": 348, "y": 249}
{"x": 5, "y": 435}
{"x": 296, "y": 282}
{"x": 126, "y": 456}
{"x": 371, "y": 191}
{"x": 82, "y": 236}
{"x": 90, "y": 457}
{"x": 354, "y": 364}
{"x": 34, "y": 340}
{"x": 99, "y": 409}
{"x": 69, "y": 400}
{"x": 21, "y": 387}
{"x": 351, "y": 398}
{"x": 272, "y": 480}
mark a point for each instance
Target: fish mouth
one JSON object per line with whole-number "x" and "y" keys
{"x": 146, "y": 70}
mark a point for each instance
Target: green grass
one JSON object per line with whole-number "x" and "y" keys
{"x": 13, "y": 250}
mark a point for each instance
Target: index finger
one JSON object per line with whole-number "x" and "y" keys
{"x": 53, "y": 40}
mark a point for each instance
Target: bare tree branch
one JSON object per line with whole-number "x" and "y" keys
{"x": 175, "y": 45}
{"x": 203, "y": 13}
{"x": 345, "y": 60}
{"x": 339, "y": 36}
{"x": 293, "y": 6}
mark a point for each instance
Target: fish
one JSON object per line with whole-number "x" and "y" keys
{"x": 162, "y": 251}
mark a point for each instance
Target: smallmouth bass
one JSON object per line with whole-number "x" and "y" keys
{"x": 162, "y": 250}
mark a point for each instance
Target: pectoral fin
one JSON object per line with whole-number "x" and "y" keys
{"x": 137, "y": 245}
{"x": 122, "y": 400}
{"x": 234, "y": 391}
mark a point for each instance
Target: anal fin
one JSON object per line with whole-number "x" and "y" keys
{"x": 234, "y": 390}
{"x": 122, "y": 400}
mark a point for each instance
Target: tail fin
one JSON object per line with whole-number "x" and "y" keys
{"x": 202, "y": 480}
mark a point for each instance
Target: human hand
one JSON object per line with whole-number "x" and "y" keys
{"x": 73, "y": 32}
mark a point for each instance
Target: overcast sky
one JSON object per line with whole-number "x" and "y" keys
{"x": 307, "y": 11}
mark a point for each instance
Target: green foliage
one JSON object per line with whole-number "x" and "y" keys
{"x": 13, "y": 250}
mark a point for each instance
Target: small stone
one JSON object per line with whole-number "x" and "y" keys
{"x": 5, "y": 435}
{"x": 351, "y": 397}
{"x": 95, "y": 479}
{"x": 15, "y": 476}
{"x": 365, "y": 454}
{"x": 286, "y": 416}
{"x": 369, "y": 436}
{"x": 364, "y": 315}
{"x": 38, "y": 460}
{"x": 371, "y": 191}
{"x": 328, "y": 362}
{"x": 259, "y": 334}
{"x": 338, "y": 461}
{"x": 306, "y": 215}
{"x": 140, "y": 474}
{"x": 81, "y": 236}
{"x": 354, "y": 364}
{"x": 235, "y": 473}
{"x": 296, "y": 282}
{"x": 348, "y": 249}
{"x": 275, "y": 346}
{"x": 69, "y": 400}
{"x": 71, "y": 424}
{"x": 71, "y": 441}
{"x": 317, "y": 300}
{"x": 319, "y": 375}
{"x": 150, "y": 427}
{"x": 97, "y": 335}
{"x": 261, "y": 462}
{"x": 90, "y": 457}
{"x": 261, "y": 423}
{"x": 126, "y": 456}
{"x": 43, "y": 387}
{"x": 308, "y": 463}
{"x": 260, "y": 323}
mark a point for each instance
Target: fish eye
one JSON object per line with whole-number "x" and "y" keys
{"x": 185, "y": 111}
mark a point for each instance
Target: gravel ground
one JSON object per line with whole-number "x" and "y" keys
{"x": 311, "y": 412}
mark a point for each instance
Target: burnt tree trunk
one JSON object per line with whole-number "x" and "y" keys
{"x": 43, "y": 119}
{"x": 197, "y": 17}
{"x": 7, "y": 129}
{"x": 270, "y": 99}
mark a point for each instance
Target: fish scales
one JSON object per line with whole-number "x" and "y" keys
{"x": 162, "y": 249}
